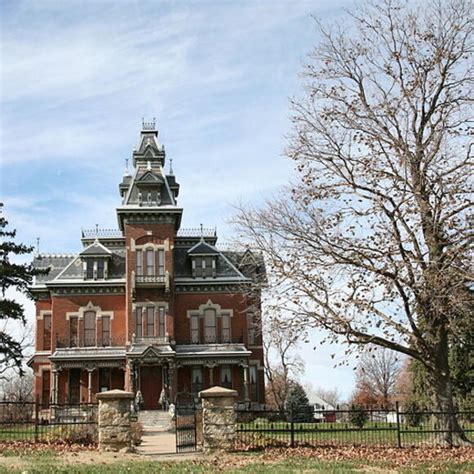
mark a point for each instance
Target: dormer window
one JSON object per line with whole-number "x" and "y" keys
{"x": 204, "y": 267}
{"x": 203, "y": 260}
{"x": 95, "y": 261}
{"x": 96, "y": 269}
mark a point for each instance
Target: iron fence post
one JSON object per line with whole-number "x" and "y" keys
{"x": 399, "y": 436}
{"x": 292, "y": 427}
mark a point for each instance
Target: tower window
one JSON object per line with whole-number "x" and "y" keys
{"x": 139, "y": 263}
{"x": 105, "y": 330}
{"x": 210, "y": 326}
{"x": 89, "y": 328}
{"x": 162, "y": 322}
{"x": 47, "y": 332}
{"x": 161, "y": 262}
{"x": 226, "y": 328}
{"x": 150, "y": 264}
{"x": 150, "y": 321}
{"x": 195, "y": 329}
{"x": 138, "y": 322}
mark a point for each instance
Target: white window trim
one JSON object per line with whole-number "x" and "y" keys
{"x": 89, "y": 307}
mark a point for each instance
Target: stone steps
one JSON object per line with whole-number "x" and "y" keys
{"x": 156, "y": 420}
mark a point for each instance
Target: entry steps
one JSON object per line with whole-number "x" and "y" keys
{"x": 156, "y": 420}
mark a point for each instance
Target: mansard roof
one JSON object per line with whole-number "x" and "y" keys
{"x": 55, "y": 262}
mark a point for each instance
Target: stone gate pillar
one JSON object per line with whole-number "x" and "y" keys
{"x": 114, "y": 420}
{"x": 218, "y": 418}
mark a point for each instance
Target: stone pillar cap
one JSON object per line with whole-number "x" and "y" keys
{"x": 115, "y": 395}
{"x": 217, "y": 392}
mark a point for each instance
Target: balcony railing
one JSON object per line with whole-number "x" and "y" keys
{"x": 150, "y": 279}
{"x": 218, "y": 339}
{"x": 68, "y": 342}
{"x": 157, "y": 340}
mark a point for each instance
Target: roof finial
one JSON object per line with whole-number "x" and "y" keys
{"x": 37, "y": 246}
{"x": 126, "y": 172}
{"x": 171, "y": 166}
{"x": 97, "y": 232}
{"x": 202, "y": 234}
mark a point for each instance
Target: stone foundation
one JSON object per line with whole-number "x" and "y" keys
{"x": 114, "y": 420}
{"x": 218, "y": 418}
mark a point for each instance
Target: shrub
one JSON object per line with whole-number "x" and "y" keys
{"x": 358, "y": 416}
{"x": 85, "y": 434}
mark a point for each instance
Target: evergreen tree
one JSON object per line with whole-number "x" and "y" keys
{"x": 18, "y": 277}
{"x": 298, "y": 404}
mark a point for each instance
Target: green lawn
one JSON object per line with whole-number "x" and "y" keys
{"x": 45, "y": 462}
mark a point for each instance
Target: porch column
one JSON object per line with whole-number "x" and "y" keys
{"x": 55, "y": 386}
{"x": 246, "y": 383}
{"x": 211, "y": 376}
{"x": 89, "y": 385}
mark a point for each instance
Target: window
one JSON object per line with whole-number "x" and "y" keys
{"x": 226, "y": 377}
{"x": 104, "y": 380}
{"x": 250, "y": 329}
{"x": 150, "y": 264}
{"x": 106, "y": 330}
{"x": 198, "y": 266}
{"x": 138, "y": 323}
{"x": 204, "y": 266}
{"x": 100, "y": 268}
{"x": 89, "y": 328}
{"x": 47, "y": 332}
{"x": 196, "y": 379}
{"x": 226, "y": 328}
{"x": 46, "y": 384}
{"x": 162, "y": 322}
{"x": 253, "y": 378}
{"x": 73, "y": 331}
{"x": 161, "y": 263}
{"x": 195, "y": 329}
{"x": 90, "y": 269}
{"x": 208, "y": 267}
{"x": 150, "y": 321}
{"x": 210, "y": 326}
{"x": 139, "y": 263}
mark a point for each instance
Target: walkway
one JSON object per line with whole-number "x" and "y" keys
{"x": 158, "y": 437}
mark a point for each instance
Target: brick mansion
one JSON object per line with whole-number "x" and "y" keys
{"x": 149, "y": 307}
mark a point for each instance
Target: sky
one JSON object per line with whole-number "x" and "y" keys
{"x": 77, "y": 77}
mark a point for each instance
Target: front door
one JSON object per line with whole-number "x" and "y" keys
{"x": 150, "y": 386}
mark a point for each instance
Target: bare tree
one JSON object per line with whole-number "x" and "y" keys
{"x": 17, "y": 387}
{"x": 282, "y": 364}
{"x": 331, "y": 396}
{"x": 377, "y": 373}
{"x": 372, "y": 243}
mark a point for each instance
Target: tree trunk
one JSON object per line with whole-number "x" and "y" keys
{"x": 451, "y": 431}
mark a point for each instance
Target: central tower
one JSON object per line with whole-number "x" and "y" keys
{"x": 149, "y": 218}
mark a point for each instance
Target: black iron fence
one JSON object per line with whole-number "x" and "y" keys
{"x": 389, "y": 427}
{"x": 30, "y": 421}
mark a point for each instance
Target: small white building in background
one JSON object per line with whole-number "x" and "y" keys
{"x": 323, "y": 411}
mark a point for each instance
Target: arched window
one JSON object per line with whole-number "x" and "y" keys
{"x": 210, "y": 326}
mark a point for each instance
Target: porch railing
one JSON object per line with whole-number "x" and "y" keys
{"x": 68, "y": 342}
